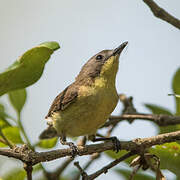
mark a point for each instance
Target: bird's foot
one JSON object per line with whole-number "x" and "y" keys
{"x": 117, "y": 144}
{"x": 73, "y": 148}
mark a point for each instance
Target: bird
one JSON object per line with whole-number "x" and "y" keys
{"x": 86, "y": 104}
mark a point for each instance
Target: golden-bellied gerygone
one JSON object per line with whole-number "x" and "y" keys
{"x": 86, "y": 104}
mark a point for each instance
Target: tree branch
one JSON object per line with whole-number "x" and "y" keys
{"x": 161, "y": 119}
{"x": 162, "y": 14}
{"x": 30, "y": 157}
{"x": 28, "y": 169}
{"x": 104, "y": 169}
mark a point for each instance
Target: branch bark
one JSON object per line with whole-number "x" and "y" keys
{"x": 138, "y": 145}
{"x": 29, "y": 170}
{"x": 162, "y": 14}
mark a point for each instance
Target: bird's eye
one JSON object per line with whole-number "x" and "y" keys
{"x": 99, "y": 57}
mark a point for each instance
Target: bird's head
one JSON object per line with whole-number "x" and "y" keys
{"x": 103, "y": 64}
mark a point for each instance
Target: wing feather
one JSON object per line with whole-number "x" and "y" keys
{"x": 64, "y": 99}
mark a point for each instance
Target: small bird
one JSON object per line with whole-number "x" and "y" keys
{"x": 86, "y": 104}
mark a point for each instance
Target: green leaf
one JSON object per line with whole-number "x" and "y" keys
{"x": 28, "y": 68}
{"x": 139, "y": 176}
{"x": 15, "y": 174}
{"x": 161, "y": 110}
{"x": 176, "y": 89}
{"x": 169, "y": 155}
{"x": 3, "y": 123}
{"x": 3, "y": 117}
{"x": 47, "y": 143}
{"x": 12, "y": 134}
{"x": 157, "y": 109}
{"x": 18, "y": 99}
{"x": 2, "y": 112}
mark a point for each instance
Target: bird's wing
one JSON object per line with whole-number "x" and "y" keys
{"x": 64, "y": 99}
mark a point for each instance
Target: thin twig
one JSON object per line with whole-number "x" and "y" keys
{"x": 3, "y": 141}
{"x": 135, "y": 169}
{"x": 105, "y": 168}
{"x": 60, "y": 170}
{"x": 128, "y": 104}
{"x": 87, "y": 165}
{"x": 162, "y": 14}
{"x": 82, "y": 172}
{"x": 110, "y": 165}
{"x": 24, "y": 132}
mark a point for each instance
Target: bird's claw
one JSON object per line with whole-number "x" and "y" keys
{"x": 74, "y": 149}
{"x": 117, "y": 144}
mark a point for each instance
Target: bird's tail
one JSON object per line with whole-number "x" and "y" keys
{"x": 48, "y": 133}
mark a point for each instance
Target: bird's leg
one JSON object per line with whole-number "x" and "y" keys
{"x": 116, "y": 142}
{"x": 70, "y": 144}
{"x": 82, "y": 141}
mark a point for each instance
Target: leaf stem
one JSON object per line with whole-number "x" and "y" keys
{"x": 24, "y": 132}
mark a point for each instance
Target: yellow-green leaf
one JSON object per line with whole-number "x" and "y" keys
{"x": 12, "y": 133}
{"x": 47, "y": 143}
{"x": 3, "y": 117}
{"x": 28, "y": 68}
{"x": 18, "y": 99}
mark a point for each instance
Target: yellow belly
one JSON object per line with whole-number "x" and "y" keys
{"x": 90, "y": 111}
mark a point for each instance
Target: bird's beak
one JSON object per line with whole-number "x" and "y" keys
{"x": 119, "y": 49}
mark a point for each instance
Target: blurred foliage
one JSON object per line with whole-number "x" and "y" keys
{"x": 161, "y": 110}
{"x": 169, "y": 155}
{"x": 3, "y": 117}
{"x": 158, "y": 109}
{"x": 47, "y": 143}
{"x": 18, "y": 99}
